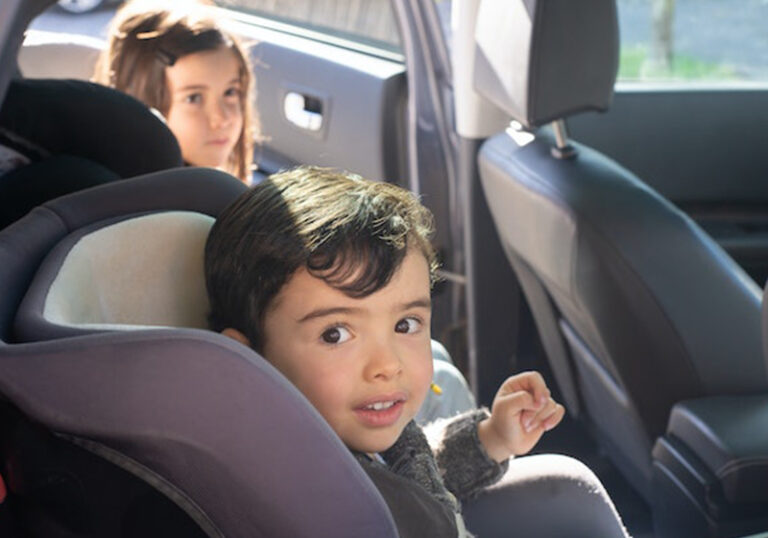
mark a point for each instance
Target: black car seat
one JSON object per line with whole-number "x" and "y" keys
{"x": 637, "y": 307}
{"x": 119, "y": 426}
{"x": 59, "y": 136}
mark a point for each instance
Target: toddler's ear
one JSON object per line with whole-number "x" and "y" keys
{"x": 236, "y": 335}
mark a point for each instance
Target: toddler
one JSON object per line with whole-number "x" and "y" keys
{"x": 328, "y": 276}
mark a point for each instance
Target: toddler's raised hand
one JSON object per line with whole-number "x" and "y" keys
{"x": 522, "y": 411}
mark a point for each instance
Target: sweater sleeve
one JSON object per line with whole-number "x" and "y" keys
{"x": 412, "y": 458}
{"x": 461, "y": 458}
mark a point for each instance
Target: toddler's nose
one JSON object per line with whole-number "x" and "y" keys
{"x": 384, "y": 363}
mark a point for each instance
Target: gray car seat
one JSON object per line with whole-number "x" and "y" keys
{"x": 637, "y": 307}
{"x": 105, "y": 428}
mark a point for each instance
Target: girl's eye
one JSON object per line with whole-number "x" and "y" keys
{"x": 407, "y": 325}
{"x": 336, "y": 335}
{"x": 232, "y": 92}
{"x": 194, "y": 98}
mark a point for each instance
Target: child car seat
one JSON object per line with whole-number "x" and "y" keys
{"x": 201, "y": 419}
{"x": 66, "y": 135}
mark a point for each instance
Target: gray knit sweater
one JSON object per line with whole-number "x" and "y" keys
{"x": 456, "y": 466}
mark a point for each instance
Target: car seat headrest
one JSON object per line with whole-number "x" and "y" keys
{"x": 137, "y": 272}
{"x": 44, "y": 117}
{"x": 59, "y": 55}
{"x": 543, "y": 60}
{"x": 124, "y": 254}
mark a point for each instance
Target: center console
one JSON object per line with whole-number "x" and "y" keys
{"x": 710, "y": 469}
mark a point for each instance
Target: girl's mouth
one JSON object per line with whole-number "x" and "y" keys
{"x": 218, "y": 141}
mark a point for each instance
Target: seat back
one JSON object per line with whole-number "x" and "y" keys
{"x": 650, "y": 310}
{"x": 202, "y": 419}
{"x": 59, "y": 55}
{"x": 68, "y": 135}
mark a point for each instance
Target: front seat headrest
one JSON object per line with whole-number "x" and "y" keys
{"x": 542, "y": 60}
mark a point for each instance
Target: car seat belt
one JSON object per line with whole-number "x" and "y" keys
{"x": 545, "y": 317}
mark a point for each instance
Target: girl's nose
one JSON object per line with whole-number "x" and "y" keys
{"x": 220, "y": 115}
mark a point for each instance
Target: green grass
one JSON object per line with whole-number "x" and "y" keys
{"x": 632, "y": 66}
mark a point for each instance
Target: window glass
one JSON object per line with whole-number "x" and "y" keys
{"x": 370, "y": 22}
{"x": 693, "y": 40}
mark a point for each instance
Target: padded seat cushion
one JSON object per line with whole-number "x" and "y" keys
{"x": 109, "y": 277}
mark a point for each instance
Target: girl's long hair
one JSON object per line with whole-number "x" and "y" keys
{"x": 145, "y": 38}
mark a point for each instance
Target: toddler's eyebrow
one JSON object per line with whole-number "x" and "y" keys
{"x": 322, "y": 312}
{"x": 418, "y": 303}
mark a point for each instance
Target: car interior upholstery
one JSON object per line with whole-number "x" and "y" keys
{"x": 76, "y": 55}
{"x": 619, "y": 280}
{"x": 112, "y": 389}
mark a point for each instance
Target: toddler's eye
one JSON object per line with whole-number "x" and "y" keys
{"x": 407, "y": 325}
{"x": 335, "y": 335}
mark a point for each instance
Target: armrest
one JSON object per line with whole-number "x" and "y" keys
{"x": 730, "y": 436}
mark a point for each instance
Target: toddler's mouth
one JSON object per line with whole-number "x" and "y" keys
{"x": 381, "y": 411}
{"x": 378, "y": 406}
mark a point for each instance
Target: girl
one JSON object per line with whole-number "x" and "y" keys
{"x": 177, "y": 59}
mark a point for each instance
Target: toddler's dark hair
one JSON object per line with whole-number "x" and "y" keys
{"x": 348, "y": 231}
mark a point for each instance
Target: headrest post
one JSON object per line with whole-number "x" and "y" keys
{"x": 563, "y": 149}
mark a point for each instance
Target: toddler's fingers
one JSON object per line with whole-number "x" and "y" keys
{"x": 511, "y": 405}
{"x": 547, "y": 416}
{"x": 554, "y": 419}
{"x": 528, "y": 420}
{"x": 532, "y": 382}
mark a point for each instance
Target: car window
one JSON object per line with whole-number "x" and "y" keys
{"x": 693, "y": 40}
{"x": 685, "y": 40}
{"x": 368, "y": 22}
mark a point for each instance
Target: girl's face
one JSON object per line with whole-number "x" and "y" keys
{"x": 206, "y": 112}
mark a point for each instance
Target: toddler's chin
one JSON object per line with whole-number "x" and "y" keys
{"x": 377, "y": 444}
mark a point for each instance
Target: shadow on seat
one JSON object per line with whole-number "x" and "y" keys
{"x": 203, "y": 420}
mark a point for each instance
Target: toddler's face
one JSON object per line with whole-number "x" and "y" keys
{"x": 206, "y": 110}
{"x": 365, "y": 364}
